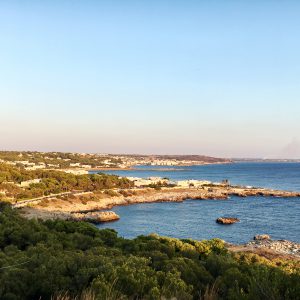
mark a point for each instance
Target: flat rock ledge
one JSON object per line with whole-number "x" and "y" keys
{"x": 227, "y": 221}
{"x": 279, "y": 246}
{"x": 95, "y": 217}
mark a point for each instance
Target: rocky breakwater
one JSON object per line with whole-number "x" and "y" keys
{"x": 246, "y": 192}
{"x": 177, "y": 195}
{"x": 95, "y": 217}
{"x": 279, "y": 246}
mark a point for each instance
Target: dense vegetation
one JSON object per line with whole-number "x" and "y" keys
{"x": 41, "y": 259}
{"x": 53, "y": 182}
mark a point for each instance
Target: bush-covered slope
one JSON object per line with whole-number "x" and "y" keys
{"x": 41, "y": 259}
{"x": 53, "y": 182}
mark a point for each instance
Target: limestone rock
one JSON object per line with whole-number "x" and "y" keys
{"x": 227, "y": 221}
{"x": 95, "y": 217}
{"x": 260, "y": 237}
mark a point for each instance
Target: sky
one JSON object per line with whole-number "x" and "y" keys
{"x": 219, "y": 78}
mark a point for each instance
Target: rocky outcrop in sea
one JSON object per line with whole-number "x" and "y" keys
{"x": 227, "y": 221}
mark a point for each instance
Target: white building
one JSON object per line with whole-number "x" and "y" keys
{"x": 29, "y": 182}
{"x": 76, "y": 172}
{"x": 194, "y": 183}
{"x": 35, "y": 167}
{"x": 140, "y": 182}
{"x": 75, "y": 165}
{"x": 86, "y": 166}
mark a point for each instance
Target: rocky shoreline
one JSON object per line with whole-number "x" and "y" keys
{"x": 56, "y": 208}
{"x": 269, "y": 248}
{"x": 95, "y": 217}
{"x": 91, "y": 209}
{"x": 281, "y": 246}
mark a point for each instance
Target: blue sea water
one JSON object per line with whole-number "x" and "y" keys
{"x": 279, "y": 217}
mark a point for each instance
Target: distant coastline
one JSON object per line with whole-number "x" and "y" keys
{"x": 267, "y": 160}
{"x": 162, "y": 168}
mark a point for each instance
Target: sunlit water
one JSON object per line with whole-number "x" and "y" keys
{"x": 279, "y": 217}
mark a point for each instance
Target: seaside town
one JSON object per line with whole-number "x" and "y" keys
{"x": 32, "y": 168}
{"x": 25, "y": 176}
{"x": 81, "y": 163}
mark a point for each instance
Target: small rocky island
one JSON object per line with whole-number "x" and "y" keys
{"x": 227, "y": 221}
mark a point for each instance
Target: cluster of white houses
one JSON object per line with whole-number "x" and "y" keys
{"x": 30, "y": 166}
{"x": 106, "y": 161}
{"x": 128, "y": 161}
{"x": 75, "y": 168}
{"x": 143, "y": 182}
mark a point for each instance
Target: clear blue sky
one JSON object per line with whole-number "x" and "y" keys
{"x": 219, "y": 78}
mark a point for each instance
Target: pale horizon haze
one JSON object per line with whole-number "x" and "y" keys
{"x": 218, "y": 78}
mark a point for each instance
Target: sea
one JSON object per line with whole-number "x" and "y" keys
{"x": 196, "y": 219}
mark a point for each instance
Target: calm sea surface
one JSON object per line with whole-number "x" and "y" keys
{"x": 279, "y": 217}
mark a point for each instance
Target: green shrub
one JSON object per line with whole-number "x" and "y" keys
{"x": 39, "y": 260}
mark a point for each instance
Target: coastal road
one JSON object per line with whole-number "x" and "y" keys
{"x": 39, "y": 199}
